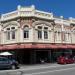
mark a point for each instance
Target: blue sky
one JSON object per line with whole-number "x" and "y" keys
{"x": 58, "y": 7}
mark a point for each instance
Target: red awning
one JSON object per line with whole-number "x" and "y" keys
{"x": 38, "y": 46}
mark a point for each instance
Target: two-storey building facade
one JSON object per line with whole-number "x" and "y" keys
{"x": 33, "y": 35}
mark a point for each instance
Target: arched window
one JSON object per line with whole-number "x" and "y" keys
{"x": 13, "y": 32}
{"x": 10, "y": 33}
{"x": 42, "y": 31}
{"x": 58, "y": 35}
{"x": 45, "y": 32}
{"x": 39, "y": 32}
{"x": 26, "y": 32}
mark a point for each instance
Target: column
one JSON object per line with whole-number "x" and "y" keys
{"x": 49, "y": 56}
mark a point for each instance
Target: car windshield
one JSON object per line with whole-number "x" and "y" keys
{"x": 3, "y": 59}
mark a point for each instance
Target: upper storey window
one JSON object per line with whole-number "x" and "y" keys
{"x": 13, "y": 32}
{"x": 45, "y": 32}
{"x": 26, "y": 32}
{"x": 10, "y": 33}
{"x": 67, "y": 36}
{"x": 39, "y": 32}
{"x": 42, "y": 32}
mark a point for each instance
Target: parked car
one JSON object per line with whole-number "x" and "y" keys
{"x": 65, "y": 60}
{"x": 6, "y": 63}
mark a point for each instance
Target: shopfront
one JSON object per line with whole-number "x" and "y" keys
{"x": 36, "y": 54}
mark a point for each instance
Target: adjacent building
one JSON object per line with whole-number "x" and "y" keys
{"x": 33, "y": 35}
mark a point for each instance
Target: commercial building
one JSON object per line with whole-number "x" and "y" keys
{"x": 33, "y": 35}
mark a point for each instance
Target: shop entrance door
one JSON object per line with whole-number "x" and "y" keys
{"x": 42, "y": 56}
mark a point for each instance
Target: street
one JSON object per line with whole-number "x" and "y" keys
{"x": 57, "y": 70}
{"x": 70, "y": 71}
{"x": 67, "y": 71}
{"x": 43, "y": 69}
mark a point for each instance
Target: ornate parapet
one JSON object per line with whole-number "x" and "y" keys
{"x": 42, "y": 14}
{"x": 60, "y": 20}
{"x": 26, "y": 12}
{"x": 10, "y": 15}
{"x": 72, "y": 20}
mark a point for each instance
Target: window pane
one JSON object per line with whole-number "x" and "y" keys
{"x": 45, "y": 32}
{"x": 39, "y": 27}
{"x": 12, "y": 27}
{"x": 13, "y": 34}
{"x": 45, "y": 28}
{"x": 26, "y": 34}
{"x": 39, "y": 34}
{"x": 8, "y": 28}
{"x": 26, "y": 27}
{"x": 4, "y": 59}
{"x": 45, "y": 35}
{"x": 8, "y": 35}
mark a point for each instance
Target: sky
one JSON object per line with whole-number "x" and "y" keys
{"x": 64, "y": 8}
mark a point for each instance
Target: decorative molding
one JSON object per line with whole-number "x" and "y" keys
{"x": 11, "y": 23}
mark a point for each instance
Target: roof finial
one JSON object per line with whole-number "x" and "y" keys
{"x": 61, "y": 17}
{"x": 33, "y": 6}
{"x": 18, "y": 7}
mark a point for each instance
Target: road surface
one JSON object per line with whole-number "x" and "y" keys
{"x": 45, "y": 69}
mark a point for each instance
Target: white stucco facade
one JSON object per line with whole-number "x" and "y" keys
{"x": 59, "y": 30}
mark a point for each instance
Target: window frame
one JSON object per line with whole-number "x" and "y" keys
{"x": 39, "y": 32}
{"x": 10, "y": 30}
{"x": 46, "y": 34}
{"x": 26, "y": 32}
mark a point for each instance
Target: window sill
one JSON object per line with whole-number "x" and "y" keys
{"x": 40, "y": 39}
{"x": 11, "y": 40}
{"x": 58, "y": 40}
{"x": 46, "y": 39}
{"x": 26, "y": 39}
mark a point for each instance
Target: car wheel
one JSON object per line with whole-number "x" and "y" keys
{"x": 13, "y": 67}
